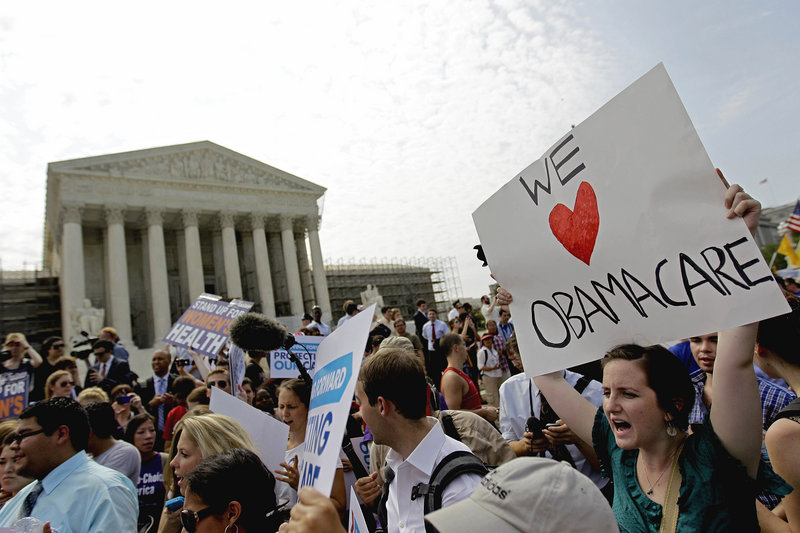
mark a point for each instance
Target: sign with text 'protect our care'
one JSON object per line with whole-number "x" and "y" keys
{"x": 338, "y": 363}
{"x": 618, "y": 234}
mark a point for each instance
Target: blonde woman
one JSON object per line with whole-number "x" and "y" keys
{"x": 59, "y": 383}
{"x": 24, "y": 359}
{"x": 197, "y": 438}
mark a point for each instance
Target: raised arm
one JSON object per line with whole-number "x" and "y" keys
{"x": 736, "y": 410}
{"x": 574, "y": 409}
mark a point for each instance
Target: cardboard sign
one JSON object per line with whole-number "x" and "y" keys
{"x": 618, "y": 234}
{"x": 357, "y": 523}
{"x": 280, "y": 366}
{"x": 269, "y": 435}
{"x": 338, "y": 364}
{"x": 204, "y": 325}
{"x": 13, "y": 393}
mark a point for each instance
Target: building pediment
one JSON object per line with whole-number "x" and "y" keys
{"x": 200, "y": 162}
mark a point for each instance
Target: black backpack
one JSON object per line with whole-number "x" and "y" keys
{"x": 791, "y": 409}
{"x": 449, "y": 468}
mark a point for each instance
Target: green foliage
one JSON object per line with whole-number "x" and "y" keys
{"x": 768, "y": 251}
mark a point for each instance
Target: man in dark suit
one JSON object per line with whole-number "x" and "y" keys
{"x": 420, "y": 318}
{"x": 154, "y": 392}
{"x": 108, "y": 371}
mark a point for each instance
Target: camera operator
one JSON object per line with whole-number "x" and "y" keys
{"x": 15, "y": 348}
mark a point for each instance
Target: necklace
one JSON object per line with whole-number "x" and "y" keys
{"x": 650, "y": 490}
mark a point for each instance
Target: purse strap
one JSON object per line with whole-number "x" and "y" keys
{"x": 669, "y": 516}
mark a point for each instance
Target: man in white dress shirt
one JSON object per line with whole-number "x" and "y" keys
{"x": 391, "y": 390}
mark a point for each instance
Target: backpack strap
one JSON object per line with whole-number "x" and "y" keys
{"x": 791, "y": 409}
{"x": 581, "y": 384}
{"x": 388, "y": 475}
{"x": 450, "y": 427}
{"x": 449, "y": 468}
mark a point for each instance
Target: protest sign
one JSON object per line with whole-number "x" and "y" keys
{"x": 618, "y": 234}
{"x": 269, "y": 435}
{"x": 338, "y": 363}
{"x": 280, "y": 366}
{"x": 236, "y": 367}
{"x": 357, "y": 523}
{"x": 204, "y": 325}
{"x": 13, "y": 393}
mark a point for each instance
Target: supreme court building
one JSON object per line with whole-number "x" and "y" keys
{"x": 141, "y": 234}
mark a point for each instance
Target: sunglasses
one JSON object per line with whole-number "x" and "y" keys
{"x": 57, "y": 346}
{"x": 190, "y": 519}
{"x": 221, "y": 384}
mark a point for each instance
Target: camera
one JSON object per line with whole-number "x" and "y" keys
{"x": 535, "y": 426}
{"x": 5, "y": 355}
{"x": 86, "y": 352}
{"x": 183, "y": 362}
{"x": 123, "y": 399}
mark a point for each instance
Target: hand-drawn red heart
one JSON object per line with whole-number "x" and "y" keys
{"x": 577, "y": 230}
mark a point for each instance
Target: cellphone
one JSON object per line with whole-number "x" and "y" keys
{"x": 123, "y": 399}
{"x": 174, "y": 504}
{"x": 552, "y": 425}
{"x": 183, "y": 362}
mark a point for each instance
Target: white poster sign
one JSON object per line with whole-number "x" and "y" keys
{"x": 357, "y": 523}
{"x": 269, "y": 435}
{"x": 618, "y": 234}
{"x": 338, "y": 364}
{"x": 280, "y": 366}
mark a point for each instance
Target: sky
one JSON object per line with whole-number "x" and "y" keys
{"x": 410, "y": 113}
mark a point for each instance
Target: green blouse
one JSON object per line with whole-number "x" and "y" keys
{"x": 716, "y": 493}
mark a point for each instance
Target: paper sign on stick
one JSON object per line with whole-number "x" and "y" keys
{"x": 269, "y": 435}
{"x": 338, "y": 363}
{"x": 280, "y": 366}
{"x": 357, "y": 523}
{"x": 203, "y": 327}
{"x": 618, "y": 234}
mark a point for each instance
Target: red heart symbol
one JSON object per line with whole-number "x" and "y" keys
{"x": 577, "y": 230}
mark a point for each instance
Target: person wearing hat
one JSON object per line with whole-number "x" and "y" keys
{"x": 306, "y": 320}
{"x": 323, "y": 328}
{"x": 489, "y": 365}
{"x": 564, "y": 501}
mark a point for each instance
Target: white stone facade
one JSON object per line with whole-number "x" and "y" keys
{"x": 141, "y": 234}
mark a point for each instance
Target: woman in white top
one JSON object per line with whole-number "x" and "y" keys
{"x": 489, "y": 365}
{"x": 294, "y": 396}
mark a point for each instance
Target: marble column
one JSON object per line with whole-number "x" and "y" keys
{"x": 72, "y": 280}
{"x": 119, "y": 301}
{"x": 318, "y": 269}
{"x": 194, "y": 257}
{"x": 263, "y": 275}
{"x": 159, "y": 285}
{"x": 233, "y": 279}
{"x": 290, "y": 261}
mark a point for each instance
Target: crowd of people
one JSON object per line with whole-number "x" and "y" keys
{"x": 460, "y": 437}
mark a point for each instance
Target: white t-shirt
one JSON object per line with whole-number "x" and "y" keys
{"x": 489, "y": 357}
{"x": 122, "y": 457}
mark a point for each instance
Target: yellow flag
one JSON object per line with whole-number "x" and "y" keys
{"x": 786, "y": 249}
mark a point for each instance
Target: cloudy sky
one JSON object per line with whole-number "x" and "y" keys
{"x": 410, "y": 113}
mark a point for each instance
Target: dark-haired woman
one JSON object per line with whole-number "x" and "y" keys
{"x": 141, "y": 432}
{"x": 713, "y": 475}
{"x": 52, "y": 350}
{"x": 294, "y": 396}
{"x": 232, "y": 492}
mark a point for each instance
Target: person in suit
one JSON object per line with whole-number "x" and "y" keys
{"x": 420, "y": 317}
{"x": 155, "y": 395}
{"x": 108, "y": 371}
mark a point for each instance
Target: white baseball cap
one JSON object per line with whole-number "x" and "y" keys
{"x": 529, "y": 494}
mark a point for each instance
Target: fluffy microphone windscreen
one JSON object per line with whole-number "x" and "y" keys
{"x": 254, "y": 331}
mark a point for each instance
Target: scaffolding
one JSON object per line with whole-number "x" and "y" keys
{"x": 30, "y": 304}
{"x": 401, "y": 281}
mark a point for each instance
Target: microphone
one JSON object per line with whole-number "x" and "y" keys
{"x": 257, "y": 332}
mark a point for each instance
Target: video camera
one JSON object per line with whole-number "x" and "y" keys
{"x": 86, "y": 352}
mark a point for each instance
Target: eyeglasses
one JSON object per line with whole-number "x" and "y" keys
{"x": 221, "y": 384}
{"x": 18, "y": 437}
{"x": 190, "y": 519}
